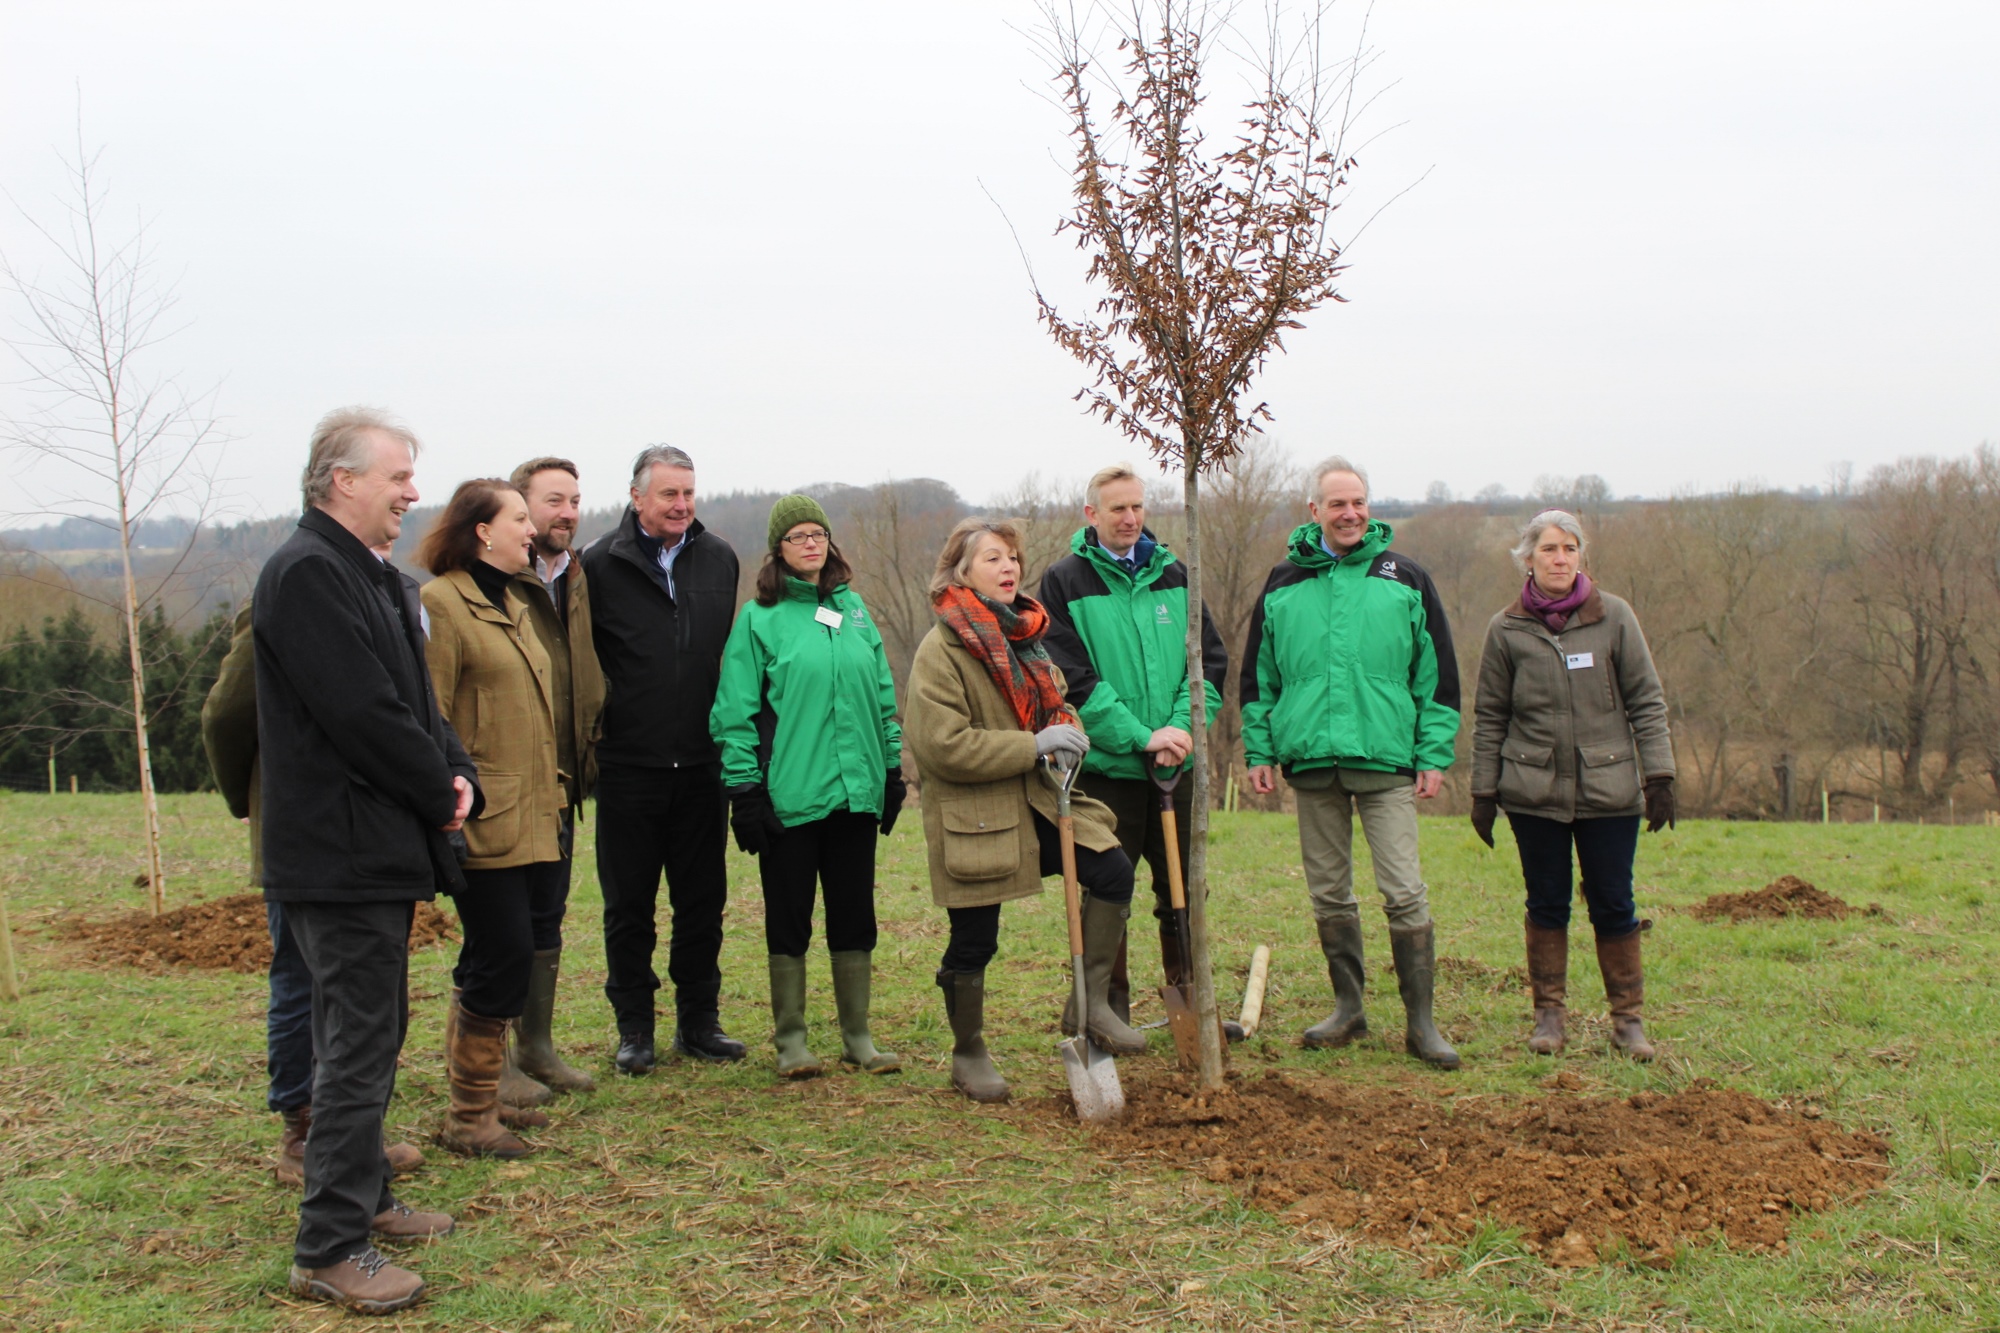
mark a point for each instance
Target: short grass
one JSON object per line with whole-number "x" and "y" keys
{"x": 132, "y": 1128}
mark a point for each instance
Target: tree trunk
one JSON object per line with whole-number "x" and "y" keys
{"x": 156, "y": 877}
{"x": 1201, "y": 966}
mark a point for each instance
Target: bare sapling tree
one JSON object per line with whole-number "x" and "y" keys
{"x": 98, "y": 433}
{"x": 1205, "y": 251}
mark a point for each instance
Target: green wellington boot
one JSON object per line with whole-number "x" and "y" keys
{"x": 1415, "y": 952}
{"x": 853, "y": 972}
{"x": 1340, "y": 941}
{"x": 788, "y": 1017}
{"x": 535, "y": 1047}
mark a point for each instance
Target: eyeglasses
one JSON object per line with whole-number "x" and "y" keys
{"x": 818, "y": 537}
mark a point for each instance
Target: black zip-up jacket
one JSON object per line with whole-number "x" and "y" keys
{"x": 357, "y": 762}
{"x": 661, "y": 652}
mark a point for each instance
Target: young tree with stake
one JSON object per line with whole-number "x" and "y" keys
{"x": 1206, "y": 253}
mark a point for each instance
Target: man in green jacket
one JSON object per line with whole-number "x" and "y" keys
{"x": 1350, "y": 686}
{"x": 1118, "y": 620}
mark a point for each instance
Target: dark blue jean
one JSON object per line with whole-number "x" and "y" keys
{"x": 288, "y": 1038}
{"x": 1604, "y": 851}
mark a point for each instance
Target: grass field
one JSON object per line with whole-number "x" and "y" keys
{"x": 132, "y": 1128}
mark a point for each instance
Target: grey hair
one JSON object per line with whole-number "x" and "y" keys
{"x": 340, "y": 440}
{"x": 1532, "y": 531}
{"x": 1334, "y": 464}
{"x": 658, "y": 455}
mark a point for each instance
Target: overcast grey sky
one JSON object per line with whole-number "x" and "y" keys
{"x": 1672, "y": 244}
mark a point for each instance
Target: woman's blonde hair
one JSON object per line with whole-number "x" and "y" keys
{"x": 955, "y": 560}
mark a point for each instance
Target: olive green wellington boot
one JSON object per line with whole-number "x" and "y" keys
{"x": 853, "y": 974}
{"x": 972, "y": 1071}
{"x": 1340, "y": 941}
{"x": 1103, "y": 945}
{"x": 1415, "y": 952}
{"x": 535, "y": 1046}
{"x": 788, "y": 1017}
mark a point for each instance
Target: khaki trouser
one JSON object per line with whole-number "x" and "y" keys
{"x": 1326, "y": 845}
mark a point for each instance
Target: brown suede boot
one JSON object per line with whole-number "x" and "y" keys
{"x": 1625, "y": 989}
{"x": 403, "y": 1157}
{"x": 472, "y": 1127}
{"x": 1548, "y": 982}
{"x": 364, "y": 1282}
{"x": 399, "y": 1221}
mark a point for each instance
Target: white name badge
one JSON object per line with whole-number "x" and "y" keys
{"x": 1578, "y": 661}
{"x": 831, "y": 618}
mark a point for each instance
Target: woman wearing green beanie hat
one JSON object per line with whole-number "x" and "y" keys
{"x": 805, "y": 715}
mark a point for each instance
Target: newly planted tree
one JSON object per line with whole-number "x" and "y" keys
{"x": 99, "y": 434}
{"x": 1207, "y": 242}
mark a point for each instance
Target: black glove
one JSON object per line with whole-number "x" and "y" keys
{"x": 1485, "y": 809}
{"x": 753, "y": 820}
{"x": 1659, "y": 803}
{"x": 894, "y": 792}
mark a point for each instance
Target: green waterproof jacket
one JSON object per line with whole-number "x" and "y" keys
{"x": 1120, "y": 637}
{"x": 806, "y": 705}
{"x": 1349, "y": 662}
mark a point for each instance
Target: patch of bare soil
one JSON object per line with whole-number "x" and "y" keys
{"x": 1785, "y": 896}
{"x": 1576, "y": 1175}
{"x": 223, "y": 933}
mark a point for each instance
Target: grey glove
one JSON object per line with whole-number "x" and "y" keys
{"x": 1061, "y": 736}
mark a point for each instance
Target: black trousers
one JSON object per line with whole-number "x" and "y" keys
{"x": 359, "y": 957}
{"x": 500, "y": 911}
{"x": 1604, "y": 849}
{"x": 975, "y": 931}
{"x": 837, "y": 854}
{"x": 649, "y": 821}
{"x": 1142, "y": 831}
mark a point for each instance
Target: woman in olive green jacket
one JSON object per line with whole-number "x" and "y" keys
{"x": 1570, "y": 739}
{"x": 985, "y": 710}
{"x": 805, "y": 717}
{"x": 491, "y": 674}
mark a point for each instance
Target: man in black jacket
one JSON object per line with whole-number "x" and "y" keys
{"x": 663, "y": 594}
{"x": 361, "y": 782}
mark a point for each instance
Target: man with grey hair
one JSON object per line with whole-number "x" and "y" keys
{"x": 663, "y": 595}
{"x": 1350, "y": 686}
{"x": 361, "y": 781}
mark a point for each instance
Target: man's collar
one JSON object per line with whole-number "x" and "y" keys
{"x": 548, "y": 571}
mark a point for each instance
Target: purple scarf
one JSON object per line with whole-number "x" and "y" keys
{"x": 1555, "y": 611}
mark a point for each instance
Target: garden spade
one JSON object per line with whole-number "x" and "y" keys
{"x": 1093, "y": 1075}
{"x": 1179, "y": 998}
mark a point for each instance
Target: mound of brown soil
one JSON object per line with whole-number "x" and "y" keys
{"x": 228, "y": 933}
{"x": 1574, "y": 1174}
{"x": 1786, "y": 896}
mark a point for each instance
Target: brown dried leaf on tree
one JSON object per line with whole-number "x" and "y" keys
{"x": 1205, "y": 245}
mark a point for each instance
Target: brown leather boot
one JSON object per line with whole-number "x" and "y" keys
{"x": 472, "y": 1126}
{"x": 364, "y": 1282}
{"x": 1625, "y": 989}
{"x": 289, "y": 1166}
{"x": 1548, "y": 982}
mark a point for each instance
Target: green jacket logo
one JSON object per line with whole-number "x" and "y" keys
{"x": 1160, "y": 614}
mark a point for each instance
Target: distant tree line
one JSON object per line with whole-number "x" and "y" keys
{"x": 1843, "y": 641}
{"x": 60, "y": 691}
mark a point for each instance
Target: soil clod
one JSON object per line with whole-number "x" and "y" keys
{"x": 229, "y": 934}
{"x": 1580, "y": 1177}
{"x": 1784, "y": 897}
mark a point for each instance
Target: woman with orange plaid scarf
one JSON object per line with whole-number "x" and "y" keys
{"x": 985, "y": 713}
